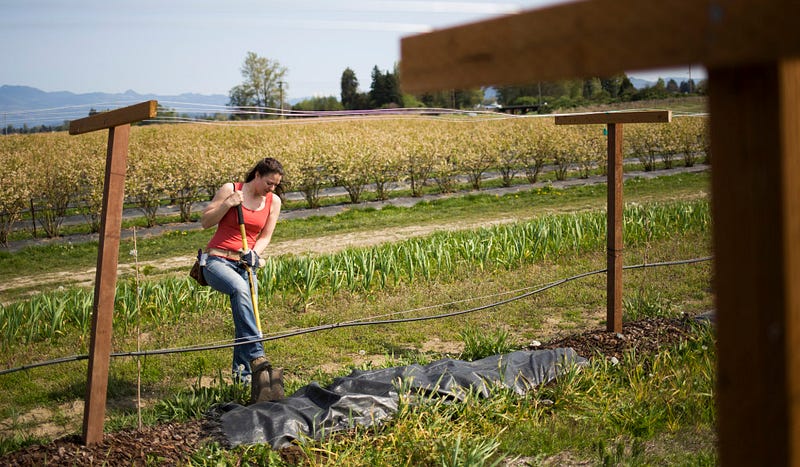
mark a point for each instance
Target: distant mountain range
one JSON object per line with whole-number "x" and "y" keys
{"x": 639, "y": 83}
{"x": 25, "y": 105}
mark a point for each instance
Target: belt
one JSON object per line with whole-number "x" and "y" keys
{"x": 227, "y": 254}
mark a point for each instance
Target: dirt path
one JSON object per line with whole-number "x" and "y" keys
{"x": 317, "y": 245}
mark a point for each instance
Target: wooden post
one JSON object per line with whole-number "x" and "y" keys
{"x": 750, "y": 48}
{"x": 614, "y": 121}
{"x": 614, "y": 230}
{"x": 755, "y": 136}
{"x": 118, "y": 124}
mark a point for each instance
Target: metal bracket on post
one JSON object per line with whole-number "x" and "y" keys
{"x": 118, "y": 123}
{"x": 614, "y": 121}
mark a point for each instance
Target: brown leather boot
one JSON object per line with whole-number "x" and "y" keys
{"x": 261, "y": 388}
{"x": 276, "y": 383}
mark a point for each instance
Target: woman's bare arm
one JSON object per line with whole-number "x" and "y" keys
{"x": 224, "y": 199}
{"x": 265, "y": 236}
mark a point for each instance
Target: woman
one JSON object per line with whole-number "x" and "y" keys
{"x": 226, "y": 266}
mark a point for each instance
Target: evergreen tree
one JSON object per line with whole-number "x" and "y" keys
{"x": 385, "y": 89}
{"x": 349, "y": 85}
{"x": 593, "y": 89}
{"x": 626, "y": 89}
{"x": 687, "y": 87}
{"x": 672, "y": 87}
{"x": 612, "y": 85}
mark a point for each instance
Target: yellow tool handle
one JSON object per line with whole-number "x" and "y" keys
{"x": 249, "y": 271}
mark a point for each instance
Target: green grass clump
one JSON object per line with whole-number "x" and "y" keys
{"x": 477, "y": 344}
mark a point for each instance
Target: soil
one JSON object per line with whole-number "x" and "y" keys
{"x": 174, "y": 443}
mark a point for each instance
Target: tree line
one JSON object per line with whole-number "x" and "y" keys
{"x": 264, "y": 86}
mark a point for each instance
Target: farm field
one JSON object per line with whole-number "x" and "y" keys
{"x": 645, "y": 398}
{"x": 168, "y": 381}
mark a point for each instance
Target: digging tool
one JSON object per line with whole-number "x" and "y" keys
{"x": 249, "y": 270}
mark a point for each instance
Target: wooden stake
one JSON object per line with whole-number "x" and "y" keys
{"x": 105, "y": 283}
{"x": 614, "y": 232}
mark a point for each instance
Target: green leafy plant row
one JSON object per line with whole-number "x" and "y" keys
{"x": 448, "y": 254}
{"x": 441, "y": 256}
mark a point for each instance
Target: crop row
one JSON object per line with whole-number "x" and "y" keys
{"x": 440, "y": 257}
{"x": 55, "y": 173}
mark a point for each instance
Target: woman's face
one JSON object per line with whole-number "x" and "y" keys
{"x": 267, "y": 183}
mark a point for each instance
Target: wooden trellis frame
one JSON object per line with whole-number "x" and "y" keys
{"x": 118, "y": 123}
{"x": 614, "y": 122}
{"x": 751, "y": 50}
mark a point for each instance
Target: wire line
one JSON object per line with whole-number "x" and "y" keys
{"x": 286, "y": 334}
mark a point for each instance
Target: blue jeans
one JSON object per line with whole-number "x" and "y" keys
{"x": 230, "y": 278}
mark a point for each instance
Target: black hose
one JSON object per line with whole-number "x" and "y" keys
{"x": 325, "y": 327}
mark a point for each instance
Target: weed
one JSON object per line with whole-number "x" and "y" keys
{"x": 478, "y": 344}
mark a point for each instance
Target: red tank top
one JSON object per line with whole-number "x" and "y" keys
{"x": 228, "y": 235}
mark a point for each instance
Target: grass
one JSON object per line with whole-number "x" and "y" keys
{"x": 605, "y": 415}
{"x": 689, "y": 105}
{"x": 574, "y": 306}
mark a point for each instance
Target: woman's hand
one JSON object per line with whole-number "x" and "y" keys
{"x": 234, "y": 199}
{"x": 251, "y": 259}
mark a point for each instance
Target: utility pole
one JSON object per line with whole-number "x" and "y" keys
{"x": 539, "y": 110}
{"x": 266, "y": 96}
{"x": 280, "y": 88}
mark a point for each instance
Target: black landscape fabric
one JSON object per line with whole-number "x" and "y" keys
{"x": 369, "y": 397}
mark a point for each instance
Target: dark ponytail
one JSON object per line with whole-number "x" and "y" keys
{"x": 264, "y": 167}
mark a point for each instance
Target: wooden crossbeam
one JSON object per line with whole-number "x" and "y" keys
{"x": 113, "y": 118}
{"x": 599, "y": 38}
{"x": 105, "y": 287}
{"x": 605, "y": 118}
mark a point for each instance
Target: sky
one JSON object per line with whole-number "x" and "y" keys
{"x": 171, "y": 47}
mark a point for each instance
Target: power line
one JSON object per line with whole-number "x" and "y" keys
{"x": 348, "y": 324}
{"x": 188, "y": 109}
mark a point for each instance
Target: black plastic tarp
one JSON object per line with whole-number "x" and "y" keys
{"x": 368, "y": 397}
